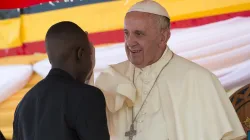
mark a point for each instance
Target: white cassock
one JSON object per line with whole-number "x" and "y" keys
{"x": 187, "y": 102}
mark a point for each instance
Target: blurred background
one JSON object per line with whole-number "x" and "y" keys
{"x": 212, "y": 33}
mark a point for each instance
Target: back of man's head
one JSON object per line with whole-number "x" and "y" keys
{"x": 67, "y": 45}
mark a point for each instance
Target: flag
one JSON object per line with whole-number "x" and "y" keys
{"x": 14, "y": 4}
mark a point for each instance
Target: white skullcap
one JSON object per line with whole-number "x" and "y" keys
{"x": 149, "y": 6}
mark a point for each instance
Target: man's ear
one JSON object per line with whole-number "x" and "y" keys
{"x": 165, "y": 35}
{"x": 80, "y": 53}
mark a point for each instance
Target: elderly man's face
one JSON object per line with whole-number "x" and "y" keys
{"x": 143, "y": 39}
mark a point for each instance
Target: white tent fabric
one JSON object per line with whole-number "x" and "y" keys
{"x": 222, "y": 47}
{"x": 13, "y": 79}
{"x": 42, "y": 67}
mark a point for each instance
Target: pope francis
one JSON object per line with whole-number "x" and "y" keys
{"x": 158, "y": 95}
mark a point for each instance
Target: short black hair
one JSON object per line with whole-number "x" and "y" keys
{"x": 62, "y": 38}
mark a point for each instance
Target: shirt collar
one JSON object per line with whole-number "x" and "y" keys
{"x": 158, "y": 65}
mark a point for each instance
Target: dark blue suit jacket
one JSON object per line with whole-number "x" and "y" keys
{"x": 61, "y": 108}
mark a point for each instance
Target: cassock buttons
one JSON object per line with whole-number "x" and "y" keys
{"x": 140, "y": 121}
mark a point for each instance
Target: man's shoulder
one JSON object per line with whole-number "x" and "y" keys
{"x": 82, "y": 87}
{"x": 120, "y": 64}
{"x": 186, "y": 66}
{"x": 37, "y": 87}
{"x": 119, "y": 67}
{"x": 85, "y": 90}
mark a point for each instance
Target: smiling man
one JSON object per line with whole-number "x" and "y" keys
{"x": 158, "y": 95}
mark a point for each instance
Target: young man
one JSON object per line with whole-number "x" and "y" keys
{"x": 61, "y": 106}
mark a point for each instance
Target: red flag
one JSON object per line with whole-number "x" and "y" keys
{"x": 14, "y": 4}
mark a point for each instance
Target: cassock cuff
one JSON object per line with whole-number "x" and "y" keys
{"x": 116, "y": 94}
{"x": 129, "y": 91}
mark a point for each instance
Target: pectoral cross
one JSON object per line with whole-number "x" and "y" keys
{"x": 131, "y": 133}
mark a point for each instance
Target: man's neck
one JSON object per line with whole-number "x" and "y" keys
{"x": 157, "y": 58}
{"x": 66, "y": 69}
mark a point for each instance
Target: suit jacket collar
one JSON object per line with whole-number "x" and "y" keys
{"x": 56, "y": 72}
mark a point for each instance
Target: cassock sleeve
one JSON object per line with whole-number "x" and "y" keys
{"x": 237, "y": 132}
{"x": 205, "y": 111}
{"x": 91, "y": 121}
{"x": 117, "y": 90}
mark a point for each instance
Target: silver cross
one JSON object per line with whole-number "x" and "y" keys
{"x": 131, "y": 133}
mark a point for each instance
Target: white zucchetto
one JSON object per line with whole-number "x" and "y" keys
{"x": 149, "y": 6}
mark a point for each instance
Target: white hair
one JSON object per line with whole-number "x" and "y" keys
{"x": 164, "y": 22}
